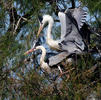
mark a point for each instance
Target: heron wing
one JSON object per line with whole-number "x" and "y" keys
{"x": 72, "y": 47}
{"x": 80, "y": 15}
{"x": 76, "y": 16}
{"x": 72, "y": 41}
{"x": 66, "y": 26}
{"x": 54, "y": 60}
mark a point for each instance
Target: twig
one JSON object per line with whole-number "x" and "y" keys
{"x": 66, "y": 72}
{"x": 25, "y": 19}
{"x": 18, "y": 22}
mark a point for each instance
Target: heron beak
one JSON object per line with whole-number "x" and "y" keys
{"x": 40, "y": 29}
{"x": 29, "y": 51}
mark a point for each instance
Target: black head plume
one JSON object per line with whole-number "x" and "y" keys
{"x": 40, "y": 18}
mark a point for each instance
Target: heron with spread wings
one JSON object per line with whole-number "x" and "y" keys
{"x": 71, "y": 40}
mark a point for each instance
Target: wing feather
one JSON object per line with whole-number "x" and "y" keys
{"x": 71, "y": 40}
{"x": 80, "y": 16}
{"x": 54, "y": 60}
{"x": 66, "y": 25}
{"x": 62, "y": 18}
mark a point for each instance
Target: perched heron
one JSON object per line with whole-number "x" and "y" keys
{"x": 71, "y": 41}
{"x": 71, "y": 21}
{"x": 46, "y": 66}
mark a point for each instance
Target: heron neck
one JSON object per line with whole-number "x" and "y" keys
{"x": 42, "y": 56}
{"x": 49, "y": 30}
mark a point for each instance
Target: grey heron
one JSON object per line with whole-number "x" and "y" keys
{"x": 71, "y": 21}
{"x": 71, "y": 40}
{"x": 46, "y": 66}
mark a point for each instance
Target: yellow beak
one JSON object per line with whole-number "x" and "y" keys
{"x": 29, "y": 51}
{"x": 40, "y": 29}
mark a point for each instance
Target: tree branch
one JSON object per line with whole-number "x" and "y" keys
{"x": 73, "y": 4}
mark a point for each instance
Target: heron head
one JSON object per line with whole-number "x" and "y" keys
{"x": 34, "y": 49}
{"x": 43, "y": 21}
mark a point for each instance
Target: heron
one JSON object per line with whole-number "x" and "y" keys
{"x": 71, "y": 40}
{"x": 46, "y": 66}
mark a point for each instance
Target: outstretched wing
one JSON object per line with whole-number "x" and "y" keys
{"x": 66, "y": 26}
{"x": 54, "y": 60}
{"x": 79, "y": 14}
{"x": 72, "y": 40}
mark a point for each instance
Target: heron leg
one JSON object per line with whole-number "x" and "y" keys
{"x": 60, "y": 69}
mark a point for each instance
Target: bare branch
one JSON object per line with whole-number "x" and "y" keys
{"x": 17, "y": 25}
{"x": 73, "y": 3}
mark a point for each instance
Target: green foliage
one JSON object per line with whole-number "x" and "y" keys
{"x": 22, "y": 79}
{"x": 94, "y": 9}
{"x": 93, "y": 5}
